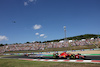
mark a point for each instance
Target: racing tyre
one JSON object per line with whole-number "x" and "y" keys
{"x": 54, "y": 56}
{"x": 68, "y": 57}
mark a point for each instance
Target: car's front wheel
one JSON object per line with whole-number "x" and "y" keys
{"x": 68, "y": 57}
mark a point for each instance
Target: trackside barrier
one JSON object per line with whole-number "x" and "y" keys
{"x": 91, "y": 54}
{"x": 54, "y": 52}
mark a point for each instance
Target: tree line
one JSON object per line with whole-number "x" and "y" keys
{"x": 79, "y": 37}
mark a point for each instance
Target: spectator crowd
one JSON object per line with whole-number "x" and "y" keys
{"x": 42, "y": 46}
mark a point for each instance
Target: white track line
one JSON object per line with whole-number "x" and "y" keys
{"x": 57, "y": 60}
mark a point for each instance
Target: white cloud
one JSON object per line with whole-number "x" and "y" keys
{"x": 36, "y": 33}
{"x": 41, "y": 35}
{"x": 37, "y": 26}
{"x": 30, "y": 0}
{"x": 33, "y": 41}
{"x": 45, "y": 36}
{"x": 25, "y": 3}
{"x": 3, "y": 38}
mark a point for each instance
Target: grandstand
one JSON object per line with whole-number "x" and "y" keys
{"x": 43, "y": 46}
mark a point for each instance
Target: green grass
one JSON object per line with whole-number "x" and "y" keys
{"x": 7, "y": 55}
{"x": 25, "y": 63}
{"x": 56, "y": 49}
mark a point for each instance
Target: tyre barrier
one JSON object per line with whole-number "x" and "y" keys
{"x": 57, "y": 60}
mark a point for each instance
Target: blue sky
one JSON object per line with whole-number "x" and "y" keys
{"x": 40, "y": 20}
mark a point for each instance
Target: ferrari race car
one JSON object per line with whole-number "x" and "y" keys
{"x": 68, "y": 56}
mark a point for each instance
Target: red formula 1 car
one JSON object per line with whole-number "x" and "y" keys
{"x": 64, "y": 55}
{"x": 79, "y": 56}
{"x": 68, "y": 56}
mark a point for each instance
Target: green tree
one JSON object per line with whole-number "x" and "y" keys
{"x": 1, "y": 45}
{"x": 6, "y": 44}
{"x": 27, "y": 42}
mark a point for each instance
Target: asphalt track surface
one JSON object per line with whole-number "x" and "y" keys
{"x": 26, "y": 57}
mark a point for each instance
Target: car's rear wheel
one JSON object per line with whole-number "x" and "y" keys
{"x": 54, "y": 56}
